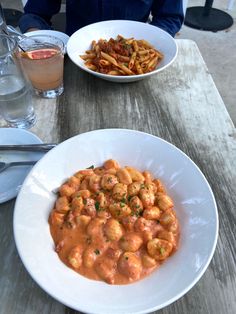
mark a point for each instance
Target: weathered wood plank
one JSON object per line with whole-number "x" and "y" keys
{"x": 181, "y": 105}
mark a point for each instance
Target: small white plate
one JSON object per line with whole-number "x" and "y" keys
{"x": 57, "y": 34}
{"x": 12, "y": 178}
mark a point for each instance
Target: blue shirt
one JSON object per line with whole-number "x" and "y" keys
{"x": 166, "y": 14}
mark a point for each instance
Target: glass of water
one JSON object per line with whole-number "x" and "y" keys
{"x": 15, "y": 90}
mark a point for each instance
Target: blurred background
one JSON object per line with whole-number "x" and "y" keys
{"x": 217, "y": 48}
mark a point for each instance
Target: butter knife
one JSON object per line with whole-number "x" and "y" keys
{"x": 28, "y": 147}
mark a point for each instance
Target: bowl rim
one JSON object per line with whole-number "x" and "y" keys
{"x": 150, "y": 309}
{"x": 121, "y": 77}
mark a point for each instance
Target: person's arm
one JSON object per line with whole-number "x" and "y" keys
{"x": 168, "y": 15}
{"x": 38, "y": 14}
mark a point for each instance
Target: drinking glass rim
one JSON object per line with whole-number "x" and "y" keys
{"x": 13, "y": 41}
{"x": 61, "y": 43}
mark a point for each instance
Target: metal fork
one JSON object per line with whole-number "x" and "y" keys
{"x": 6, "y": 165}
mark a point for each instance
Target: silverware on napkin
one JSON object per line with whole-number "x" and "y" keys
{"x": 29, "y": 147}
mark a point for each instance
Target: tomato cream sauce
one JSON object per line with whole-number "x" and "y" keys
{"x": 114, "y": 224}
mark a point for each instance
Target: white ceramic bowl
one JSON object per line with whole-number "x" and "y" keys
{"x": 194, "y": 204}
{"x": 81, "y": 40}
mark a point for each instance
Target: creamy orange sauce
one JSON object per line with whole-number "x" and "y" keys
{"x": 114, "y": 224}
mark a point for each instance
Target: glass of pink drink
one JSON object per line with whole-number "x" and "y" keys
{"x": 43, "y": 63}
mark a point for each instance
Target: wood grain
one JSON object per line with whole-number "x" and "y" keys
{"x": 180, "y": 105}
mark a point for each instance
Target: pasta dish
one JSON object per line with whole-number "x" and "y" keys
{"x": 122, "y": 56}
{"x": 113, "y": 223}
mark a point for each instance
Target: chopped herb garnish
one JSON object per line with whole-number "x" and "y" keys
{"x": 91, "y": 167}
{"x": 97, "y": 206}
{"x": 85, "y": 201}
{"x": 69, "y": 224}
{"x": 88, "y": 240}
{"x": 162, "y": 250}
{"x": 122, "y": 204}
{"x": 142, "y": 186}
{"x": 135, "y": 213}
{"x": 109, "y": 180}
{"x": 123, "y": 200}
{"x": 126, "y": 46}
{"x": 97, "y": 252}
{"x": 118, "y": 212}
{"x": 129, "y": 197}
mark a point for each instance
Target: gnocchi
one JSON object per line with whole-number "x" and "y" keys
{"x": 114, "y": 223}
{"x": 131, "y": 242}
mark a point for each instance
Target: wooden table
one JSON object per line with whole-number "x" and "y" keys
{"x": 181, "y": 105}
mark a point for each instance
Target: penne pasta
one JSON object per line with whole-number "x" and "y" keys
{"x": 88, "y": 61}
{"x": 143, "y": 52}
{"x": 129, "y": 41}
{"x": 93, "y": 44}
{"x": 97, "y": 49}
{"x": 109, "y": 58}
{"x": 159, "y": 54}
{"x": 119, "y": 37}
{"x": 144, "y": 58}
{"x": 132, "y": 60}
{"x": 91, "y": 66}
{"x": 152, "y": 62}
{"x": 89, "y": 51}
{"x": 103, "y": 62}
{"x": 113, "y": 72}
{"x": 145, "y": 44}
{"x": 125, "y": 69}
{"x": 144, "y": 64}
{"x": 135, "y": 45}
{"x": 152, "y": 53}
{"x": 122, "y": 56}
{"x": 88, "y": 56}
{"x": 138, "y": 67}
